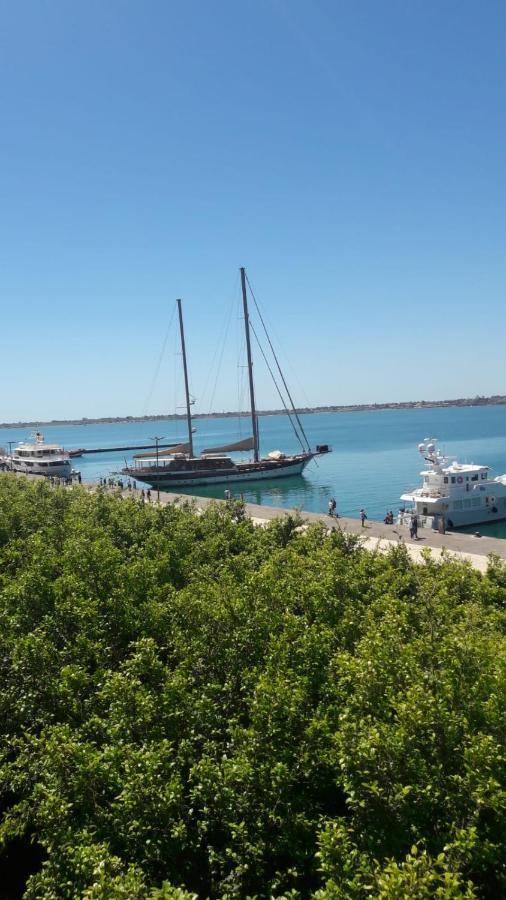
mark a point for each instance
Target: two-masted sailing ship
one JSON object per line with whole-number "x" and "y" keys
{"x": 180, "y": 467}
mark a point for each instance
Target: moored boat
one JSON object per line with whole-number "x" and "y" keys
{"x": 35, "y": 457}
{"x": 180, "y": 467}
{"x": 457, "y": 494}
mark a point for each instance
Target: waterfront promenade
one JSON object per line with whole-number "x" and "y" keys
{"x": 376, "y": 535}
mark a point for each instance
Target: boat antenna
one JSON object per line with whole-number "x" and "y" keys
{"x": 254, "y": 419}
{"x": 185, "y": 370}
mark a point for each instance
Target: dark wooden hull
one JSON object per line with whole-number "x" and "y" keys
{"x": 165, "y": 478}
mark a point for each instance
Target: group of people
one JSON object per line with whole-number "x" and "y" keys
{"x": 334, "y": 514}
{"x": 58, "y": 481}
{"x": 413, "y": 521}
{"x": 413, "y": 526}
{"x": 129, "y": 486}
{"x": 118, "y": 483}
{"x": 388, "y": 520}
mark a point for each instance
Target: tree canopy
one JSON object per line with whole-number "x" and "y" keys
{"x": 194, "y": 707}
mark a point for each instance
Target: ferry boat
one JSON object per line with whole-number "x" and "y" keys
{"x": 180, "y": 467}
{"x": 35, "y": 457}
{"x": 460, "y": 494}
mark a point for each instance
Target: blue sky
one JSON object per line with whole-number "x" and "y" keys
{"x": 350, "y": 155}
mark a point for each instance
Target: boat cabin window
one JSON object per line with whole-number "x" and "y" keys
{"x": 445, "y": 479}
{"x": 474, "y": 478}
{"x": 483, "y": 475}
{"x": 453, "y": 479}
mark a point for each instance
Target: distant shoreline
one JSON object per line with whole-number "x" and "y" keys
{"x": 495, "y": 400}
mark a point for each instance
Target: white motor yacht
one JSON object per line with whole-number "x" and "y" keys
{"x": 35, "y": 457}
{"x": 461, "y": 493}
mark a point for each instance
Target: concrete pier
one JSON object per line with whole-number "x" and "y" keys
{"x": 376, "y": 535}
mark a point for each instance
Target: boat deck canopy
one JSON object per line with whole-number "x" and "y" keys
{"x": 414, "y": 498}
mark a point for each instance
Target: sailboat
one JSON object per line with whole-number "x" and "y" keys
{"x": 178, "y": 466}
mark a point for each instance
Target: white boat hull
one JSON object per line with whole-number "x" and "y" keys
{"x": 461, "y": 518}
{"x": 60, "y": 469}
{"x": 463, "y": 494}
{"x": 458, "y": 518}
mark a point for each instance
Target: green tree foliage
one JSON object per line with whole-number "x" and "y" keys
{"x": 194, "y": 707}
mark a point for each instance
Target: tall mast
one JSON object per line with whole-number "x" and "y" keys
{"x": 185, "y": 370}
{"x": 254, "y": 420}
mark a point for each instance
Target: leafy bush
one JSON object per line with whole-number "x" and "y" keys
{"x": 191, "y": 706}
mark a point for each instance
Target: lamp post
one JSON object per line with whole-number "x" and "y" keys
{"x": 157, "y": 439}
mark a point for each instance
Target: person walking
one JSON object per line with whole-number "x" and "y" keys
{"x": 413, "y": 527}
{"x": 332, "y": 507}
{"x": 363, "y": 517}
{"x": 149, "y": 496}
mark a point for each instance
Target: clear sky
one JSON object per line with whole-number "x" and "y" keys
{"x": 350, "y": 154}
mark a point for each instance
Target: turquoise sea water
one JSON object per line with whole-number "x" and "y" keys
{"x": 374, "y": 456}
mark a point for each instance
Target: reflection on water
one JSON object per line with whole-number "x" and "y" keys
{"x": 290, "y": 492}
{"x": 374, "y": 458}
{"x": 495, "y": 529}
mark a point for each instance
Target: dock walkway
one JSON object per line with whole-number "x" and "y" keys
{"x": 376, "y": 535}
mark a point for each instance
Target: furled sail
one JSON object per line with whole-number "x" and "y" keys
{"x": 170, "y": 451}
{"x": 246, "y": 444}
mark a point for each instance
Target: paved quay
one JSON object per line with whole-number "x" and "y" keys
{"x": 376, "y": 535}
